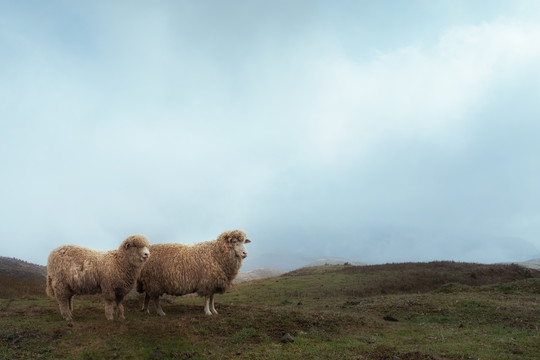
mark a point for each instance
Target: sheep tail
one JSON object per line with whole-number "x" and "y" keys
{"x": 49, "y": 289}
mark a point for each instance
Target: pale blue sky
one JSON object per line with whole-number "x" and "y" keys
{"x": 375, "y": 131}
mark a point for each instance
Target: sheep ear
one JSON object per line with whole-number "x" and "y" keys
{"x": 247, "y": 241}
{"x": 128, "y": 245}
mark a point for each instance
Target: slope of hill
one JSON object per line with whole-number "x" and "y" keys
{"x": 19, "y": 278}
{"x": 400, "y": 278}
{"x": 21, "y": 269}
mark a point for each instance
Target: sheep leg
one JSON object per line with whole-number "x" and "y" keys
{"x": 71, "y": 303}
{"x": 158, "y": 307}
{"x": 63, "y": 297}
{"x": 109, "y": 309}
{"x": 207, "y": 310}
{"x": 120, "y": 311}
{"x": 212, "y": 308}
{"x": 118, "y": 305}
{"x": 145, "y": 307}
{"x": 65, "y": 311}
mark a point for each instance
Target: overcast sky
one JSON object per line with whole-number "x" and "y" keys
{"x": 377, "y": 131}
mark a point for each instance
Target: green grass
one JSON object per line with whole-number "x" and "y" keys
{"x": 398, "y": 311}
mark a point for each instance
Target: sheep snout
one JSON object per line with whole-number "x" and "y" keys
{"x": 145, "y": 254}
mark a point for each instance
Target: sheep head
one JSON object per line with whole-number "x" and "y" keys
{"x": 236, "y": 240}
{"x": 137, "y": 246}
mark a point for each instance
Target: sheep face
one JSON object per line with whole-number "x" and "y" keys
{"x": 138, "y": 248}
{"x": 237, "y": 240}
{"x": 240, "y": 249}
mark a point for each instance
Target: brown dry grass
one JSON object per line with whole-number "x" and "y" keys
{"x": 11, "y": 287}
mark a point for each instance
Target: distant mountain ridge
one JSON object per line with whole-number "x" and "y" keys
{"x": 261, "y": 273}
{"x": 334, "y": 261}
{"x": 290, "y": 261}
{"x": 533, "y": 264}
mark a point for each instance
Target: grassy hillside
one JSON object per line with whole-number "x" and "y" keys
{"x": 399, "y": 311}
{"x": 20, "y": 278}
{"x": 12, "y": 287}
{"x": 21, "y": 269}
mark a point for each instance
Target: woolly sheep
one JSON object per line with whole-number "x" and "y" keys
{"x": 75, "y": 270}
{"x": 205, "y": 268}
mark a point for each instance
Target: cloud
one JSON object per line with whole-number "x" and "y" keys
{"x": 176, "y": 122}
{"x": 420, "y": 94}
{"x": 432, "y": 142}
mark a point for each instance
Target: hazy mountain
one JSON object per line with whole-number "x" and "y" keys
{"x": 334, "y": 261}
{"x": 283, "y": 263}
{"x": 533, "y": 263}
{"x": 286, "y": 261}
{"x": 261, "y": 273}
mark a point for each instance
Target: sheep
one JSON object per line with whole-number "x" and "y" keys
{"x": 205, "y": 268}
{"x": 75, "y": 270}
